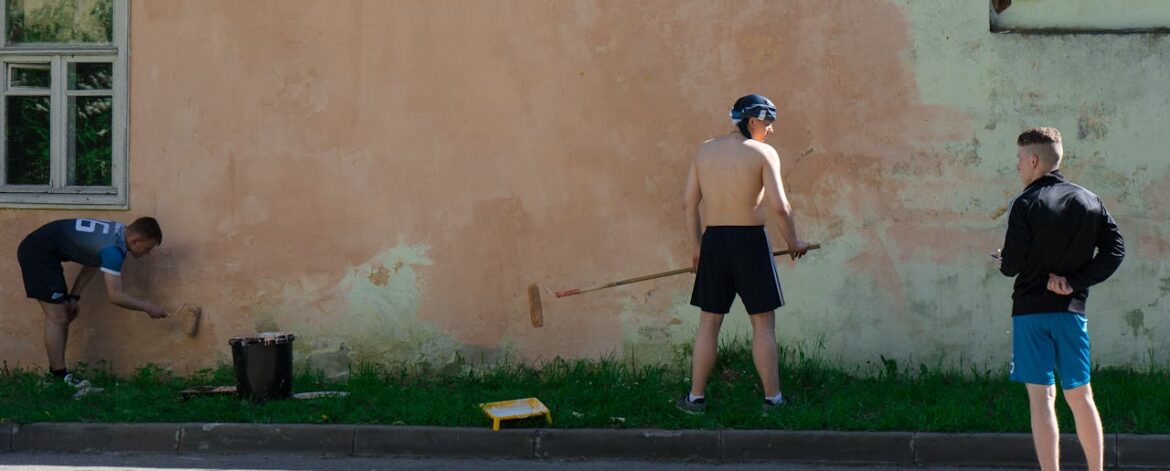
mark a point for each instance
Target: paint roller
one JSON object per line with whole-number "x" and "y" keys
{"x": 536, "y": 308}
{"x": 190, "y": 316}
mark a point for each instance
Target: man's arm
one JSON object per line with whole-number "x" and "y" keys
{"x": 120, "y": 298}
{"x": 1016, "y": 242}
{"x": 83, "y": 278}
{"x": 777, "y": 202}
{"x": 691, "y": 199}
{"x": 1110, "y": 251}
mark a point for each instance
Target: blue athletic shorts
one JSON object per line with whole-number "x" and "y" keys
{"x": 1042, "y": 343}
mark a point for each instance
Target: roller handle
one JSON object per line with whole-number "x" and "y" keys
{"x": 570, "y": 292}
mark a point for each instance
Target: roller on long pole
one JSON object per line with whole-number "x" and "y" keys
{"x": 536, "y": 309}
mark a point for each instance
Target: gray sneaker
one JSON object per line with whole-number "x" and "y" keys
{"x": 82, "y": 386}
{"x": 75, "y": 382}
{"x": 697, "y": 406}
{"x": 771, "y": 406}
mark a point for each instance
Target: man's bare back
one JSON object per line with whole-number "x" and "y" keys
{"x": 735, "y": 173}
{"x": 738, "y": 181}
{"x": 731, "y": 172}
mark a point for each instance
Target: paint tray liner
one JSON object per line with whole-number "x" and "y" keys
{"x": 515, "y": 409}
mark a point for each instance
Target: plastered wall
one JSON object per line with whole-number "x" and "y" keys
{"x": 385, "y": 178}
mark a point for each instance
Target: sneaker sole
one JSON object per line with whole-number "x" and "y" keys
{"x": 82, "y": 392}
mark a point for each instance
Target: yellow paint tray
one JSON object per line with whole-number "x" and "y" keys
{"x": 515, "y": 409}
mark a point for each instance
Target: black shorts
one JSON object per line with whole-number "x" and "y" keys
{"x": 736, "y": 259}
{"x": 44, "y": 279}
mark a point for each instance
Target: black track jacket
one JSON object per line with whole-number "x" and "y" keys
{"x": 1056, "y": 226}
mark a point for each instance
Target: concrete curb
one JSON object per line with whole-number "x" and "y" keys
{"x": 6, "y": 433}
{"x": 1143, "y": 450}
{"x": 886, "y": 448}
{"x": 95, "y": 437}
{"x": 819, "y": 447}
{"x": 1000, "y": 449}
{"x": 250, "y": 438}
{"x": 673, "y": 445}
{"x": 373, "y": 440}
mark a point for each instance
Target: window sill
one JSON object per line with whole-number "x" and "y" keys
{"x": 1080, "y": 17}
{"x": 44, "y": 200}
{"x": 47, "y": 49}
{"x": 1067, "y": 30}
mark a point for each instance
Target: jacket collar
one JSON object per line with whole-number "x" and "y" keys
{"x": 1050, "y": 178}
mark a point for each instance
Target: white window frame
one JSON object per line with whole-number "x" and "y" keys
{"x": 57, "y": 194}
{"x": 1082, "y": 17}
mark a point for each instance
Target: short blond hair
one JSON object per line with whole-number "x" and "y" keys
{"x": 1041, "y": 135}
{"x": 1044, "y": 143}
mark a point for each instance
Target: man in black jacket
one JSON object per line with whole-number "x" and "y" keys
{"x": 1060, "y": 241}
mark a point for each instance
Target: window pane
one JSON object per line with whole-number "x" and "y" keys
{"x": 91, "y": 75}
{"x": 90, "y": 140}
{"x": 60, "y": 21}
{"x": 29, "y": 76}
{"x": 27, "y": 130}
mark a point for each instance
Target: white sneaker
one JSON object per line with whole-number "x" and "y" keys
{"x": 85, "y": 391}
{"x": 76, "y": 382}
{"x": 83, "y": 387}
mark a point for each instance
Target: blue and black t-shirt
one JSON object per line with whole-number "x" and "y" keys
{"x": 90, "y": 242}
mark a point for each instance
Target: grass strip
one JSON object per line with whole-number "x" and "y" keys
{"x": 604, "y": 393}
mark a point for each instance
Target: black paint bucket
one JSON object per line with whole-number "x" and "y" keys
{"x": 263, "y": 364}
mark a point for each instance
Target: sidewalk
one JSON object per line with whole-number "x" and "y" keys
{"x": 888, "y": 448}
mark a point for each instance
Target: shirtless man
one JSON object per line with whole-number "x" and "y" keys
{"x": 737, "y": 176}
{"x": 96, "y": 244}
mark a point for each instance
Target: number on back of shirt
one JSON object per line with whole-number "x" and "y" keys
{"x": 91, "y": 225}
